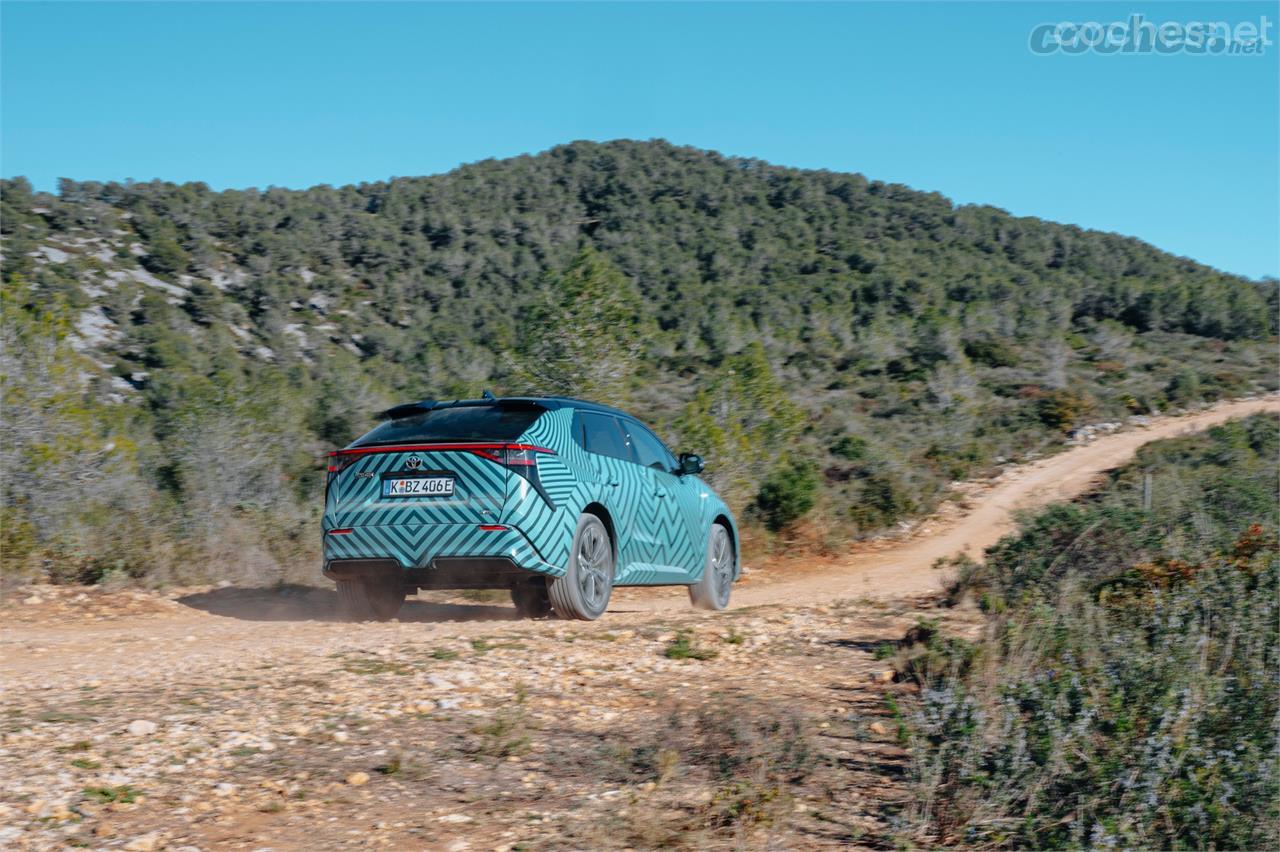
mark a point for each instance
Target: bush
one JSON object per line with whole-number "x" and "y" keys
{"x": 851, "y": 447}
{"x": 1124, "y": 691}
{"x": 787, "y": 495}
{"x": 1062, "y": 409}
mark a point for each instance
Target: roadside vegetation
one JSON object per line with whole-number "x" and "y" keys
{"x": 1124, "y": 694}
{"x": 176, "y": 361}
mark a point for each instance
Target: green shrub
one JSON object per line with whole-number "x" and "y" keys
{"x": 851, "y": 447}
{"x": 787, "y": 495}
{"x": 1124, "y": 691}
{"x": 1062, "y": 409}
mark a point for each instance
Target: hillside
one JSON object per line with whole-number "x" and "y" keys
{"x": 176, "y": 359}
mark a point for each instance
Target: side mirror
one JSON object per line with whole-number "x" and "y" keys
{"x": 690, "y": 464}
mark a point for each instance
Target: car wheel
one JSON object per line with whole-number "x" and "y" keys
{"x": 712, "y": 591}
{"x": 369, "y": 599}
{"x": 531, "y": 600}
{"x": 583, "y": 592}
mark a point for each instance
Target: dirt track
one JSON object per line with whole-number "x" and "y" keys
{"x": 903, "y": 569}
{"x": 260, "y": 708}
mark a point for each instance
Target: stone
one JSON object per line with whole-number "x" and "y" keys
{"x": 878, "y": 728}
{"x": 142, "y": 728}
{"x": 454, "y": 818}
{"x": 145, "y": 843}
{"x": 358, "y": 779}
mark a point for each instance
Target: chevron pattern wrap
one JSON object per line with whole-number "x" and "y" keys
{"x": 660, "y": 521}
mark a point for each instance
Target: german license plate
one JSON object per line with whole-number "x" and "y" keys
{"x": 418, "y": 486}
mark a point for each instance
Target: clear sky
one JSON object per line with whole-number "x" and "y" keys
{"x": 1178, "y": 150}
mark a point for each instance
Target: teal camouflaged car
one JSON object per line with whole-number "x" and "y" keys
{"x": 557, "y": 499}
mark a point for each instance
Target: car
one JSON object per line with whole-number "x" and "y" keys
{"x": 558, "y": 500}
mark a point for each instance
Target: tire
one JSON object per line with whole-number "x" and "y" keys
{"x": 712, "y": 591}
{"x": 583, "y": 592}
{"x": 369, "y": 599}
{"x": 531, "y": 600}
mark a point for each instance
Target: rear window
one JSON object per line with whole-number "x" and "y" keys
{"x": 467, "y": 423}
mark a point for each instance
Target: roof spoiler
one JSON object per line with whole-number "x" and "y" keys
{"x": 411, "y": 408}
{"x": 407, "y": 410}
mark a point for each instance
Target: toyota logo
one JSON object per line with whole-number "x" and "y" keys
{"x": 413, "y": 463}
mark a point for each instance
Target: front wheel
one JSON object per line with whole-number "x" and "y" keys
{"x": 369, "y": 599}
{"x": 712, "y": 591}
{"x": 583, "y": 592}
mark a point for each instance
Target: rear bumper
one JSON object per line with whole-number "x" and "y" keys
{"x": 447, "y": 572}
{"x": 437, "y": 551}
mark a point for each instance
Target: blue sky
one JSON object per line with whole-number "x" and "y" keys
{"x": 1178, "y": 150}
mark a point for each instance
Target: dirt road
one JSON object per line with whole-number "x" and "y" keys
{"x": 904, "y": 569}
{"x": 244, "y": 718}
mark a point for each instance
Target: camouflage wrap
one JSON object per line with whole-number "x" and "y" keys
{"x": 660, "y": 522}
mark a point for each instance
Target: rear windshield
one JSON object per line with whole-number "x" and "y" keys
{"x": 468, "y": 423}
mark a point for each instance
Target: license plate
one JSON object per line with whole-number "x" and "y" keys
{"x": 418, "y": 486}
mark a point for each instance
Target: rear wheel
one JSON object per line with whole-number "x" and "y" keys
{"x": 712, "y": 591}
{"x": 531, "y": 600}
{"x": 369, "y": 599}
{"x": 583, "y": 592}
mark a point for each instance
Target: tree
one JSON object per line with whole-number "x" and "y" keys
{"x": 584, "y": 335}
{"x": 744, "y": 423}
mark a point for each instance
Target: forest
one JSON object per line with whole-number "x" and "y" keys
{"x": 176, "y": 360}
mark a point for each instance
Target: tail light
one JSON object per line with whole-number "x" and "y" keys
{"x": 522, "y": 460}
{"x": 338, "y": 462}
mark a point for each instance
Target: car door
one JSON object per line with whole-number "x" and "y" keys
{"x": 610, "y": 454}
{"x": 676, "y": 501}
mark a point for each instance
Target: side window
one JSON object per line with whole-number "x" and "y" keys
{"x": 603, "y": 436}
{"x": 650, "y": 452}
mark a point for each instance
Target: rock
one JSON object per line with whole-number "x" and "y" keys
{"x": 104, "y": 830}
{"x": 142, "y": 728}
{"x": 341, "y": 736}
{"x": 358, "y": 779}
{"x": 878, "y": 728}
{"x": 448, "y": 703}
{"x": 884, "y": 676}
{"x": 454, "y": 818}
{"x": 145, "y": 843}
{"x": 224, "y": 789}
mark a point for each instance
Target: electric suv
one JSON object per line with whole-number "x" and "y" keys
{"x": 557, "y": 499}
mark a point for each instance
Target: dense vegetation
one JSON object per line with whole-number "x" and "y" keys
{"x": 1125, "y": 691}
{"x": 176, "y": 359}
